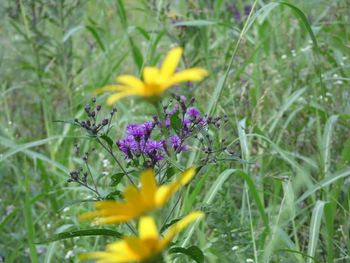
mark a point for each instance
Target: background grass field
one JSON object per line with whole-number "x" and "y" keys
{"x": 282, "y": 77}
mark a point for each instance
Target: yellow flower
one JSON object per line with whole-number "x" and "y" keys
{"x": 147, "y": 245}
{"x": 155, "y": 80}
{"x": 149, "y": 197}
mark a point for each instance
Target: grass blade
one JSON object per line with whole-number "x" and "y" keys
{"x": 80, "y": 233}
{"x": 315, "y": 229}
{"x": 326, "y": 143}
{"x": 208, "y": 199}
{"x": 28, "y": 217}
{"x": 18, "y": 148}
{"x": 323, "y": 183}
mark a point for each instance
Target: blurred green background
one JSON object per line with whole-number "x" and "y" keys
{"x": 282, "y": 77}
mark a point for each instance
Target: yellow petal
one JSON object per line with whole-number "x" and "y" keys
{"x": 94, "y": 255}
{"x": 171, "y": 62}
{"x": 151, "y": 75}
{"x": 109, "y": 205}
{"x": 118, "y": 246}
{"x": 192, "y": 74}
{"x": 138, "y": 247}
{"x": 187, "y": 175}
{"x": 130, "y": 81}
{"x": 90, "y": 215}
{"x": 132, "y": 195}
{"x": 115, "y": 97}
{"x": 164, "y": 192}
{"x": 125, "y": 250}
{"x": 104, "y": 208}
{"x": 148, "y": 229}
{"x": 148, "y": 186}
{"x": 115, "y": 219}
{"x": 177, "y": 227}
{"x": 110, "y": 88}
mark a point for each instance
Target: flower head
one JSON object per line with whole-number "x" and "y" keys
{"x": 175, "y": 141}
{"x": 148, "y": 197}
{"x": 127, "y": 146}
{"x": 155, "y": 80}
{"x": 193, "y": 112}
{"x": 135, "y": 130}
{"x": 147, "y": 245}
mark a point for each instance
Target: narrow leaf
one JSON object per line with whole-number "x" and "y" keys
{"x": 80, "y": 233}
{"x": 315, "y": 229}
{"x": 193, "y": 252}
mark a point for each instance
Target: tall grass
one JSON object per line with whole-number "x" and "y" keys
{"x": 281, "y": 75}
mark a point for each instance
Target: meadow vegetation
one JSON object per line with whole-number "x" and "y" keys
{"x": 278, "y": 71}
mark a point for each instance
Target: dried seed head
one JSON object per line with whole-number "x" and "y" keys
{"x": 87, "y": 108}
{"x": 105, "y": 122}
{"x": 114, "y": 110}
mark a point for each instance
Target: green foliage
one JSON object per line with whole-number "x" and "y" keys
{"x": 280, "y": 75}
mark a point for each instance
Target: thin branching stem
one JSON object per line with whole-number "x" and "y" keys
{"x": 116, "y": 160}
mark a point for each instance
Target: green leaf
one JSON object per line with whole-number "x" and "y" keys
{"x": 112, "y": 195}
{"x": 72, "y": 31}
{"x": 325, "y": 147}
{"x": 166, "y": 226}
{"x": 80, "y": 233}
{"x": 345, "y": 154}
{"x": 323, "y": 183}
{"x": 143, "y": 33}
{"x": 137, "y": 55}
{"x": 74, "y": 202}
{"x": 193, "y": 252}
{"x": 116, "y": 179}
{"x": 175, "y": 122}
{"x": 255, "y": 193}
{"x": 196, "y": 23}
{"x": 315, "y": 229}
{"x": 121, "y": 12}
{"x": 96, "y": 36}
{"x": 235, "y": 158}
{"x": 170, "y": 172}
{"x": 15, "y": 148}
{"x": 107, "y": 140}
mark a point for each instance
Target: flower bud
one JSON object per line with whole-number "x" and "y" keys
{"x": 105, "y": 122}
{"x": 87, "y": 108}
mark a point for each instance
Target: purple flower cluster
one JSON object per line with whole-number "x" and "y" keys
{"x": 191, "y": 120}
{"x": 238, "y": 16}
{"x": 137, "y": 143}
{"x": 172, "y": 130}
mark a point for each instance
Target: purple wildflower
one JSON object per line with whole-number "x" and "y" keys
{"x": 148, "y": 127}
{"x": 187, "y": 121}
{"x": 154, "y": 150}
{"x": 127, "y": 146}
{"x": 175, "y": 141}
{"x": 193, "y": 112}
{"x": 237, "y": 15}
{"x": 164, "y": 145}
{"x": 135, "y": 130}
{"x": 167, "y": 122}
{"x": 153, "y": 146}
{"x": 156, "y": 158}
{"x": 201, "y": 121}
{"x": 174, "y": 110}
{"x": 247, "y": 10}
